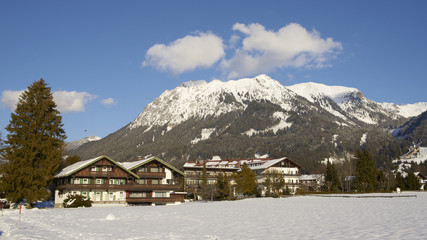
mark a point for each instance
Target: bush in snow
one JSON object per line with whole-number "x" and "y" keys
{"x": 74, "y": 201}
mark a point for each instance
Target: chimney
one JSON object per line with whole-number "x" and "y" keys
{"x": 139, "y": 158}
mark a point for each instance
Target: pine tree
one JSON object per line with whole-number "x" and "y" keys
{"x": 331, "y": 177}
{"x": 34, "y": 145}
{"x": 222, "y": 186}
{"x": 412, "y": 182}
{"x": 366, "y": 177}
{"x": 246, "y": 181}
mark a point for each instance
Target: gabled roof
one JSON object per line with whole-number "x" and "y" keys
{"x": 132, "y": 165}
{"x": 83, "y": 164}
{"x": 267, "y": 164}
{"x": 270, "y": 163}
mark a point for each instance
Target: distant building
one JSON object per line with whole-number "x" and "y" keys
{"x": 288, "y": 169}
{"x": 422, "y": 179}
{"x": 145, "y": 182}
{"x": 312, "y": 182}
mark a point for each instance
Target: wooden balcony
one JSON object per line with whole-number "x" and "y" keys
{"x": 150, "y": 187}
{"x": 151, "y": 174}
{"x": 136, "y": 200}
{"x": 125, "y": 187}
{"x": 92, "y": 187}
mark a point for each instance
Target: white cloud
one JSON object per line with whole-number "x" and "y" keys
{"x": 72, "y": 101}
{"x": 65, "y": 101}
{"x": 186, "y": 54}
{"x": 108, "y": 101}
{"x": 264, "y": 51}
{"x": 10, "y": 98}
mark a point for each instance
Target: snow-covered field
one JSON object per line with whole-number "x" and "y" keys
{"x": 301, "y": 217}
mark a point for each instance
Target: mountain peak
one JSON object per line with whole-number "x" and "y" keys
{"x": 309, "y": 90}
{"x": 200, "y": 99}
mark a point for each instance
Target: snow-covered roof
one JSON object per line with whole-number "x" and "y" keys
{"x": 76, "y": 166}
{"x": 267, "y": 164}
{"x": 310, "y": 177}
{"x": 82, "y": 164}
{"x": 133, "y": 165}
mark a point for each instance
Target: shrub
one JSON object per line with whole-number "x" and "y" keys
{"x": 74, "y": 201}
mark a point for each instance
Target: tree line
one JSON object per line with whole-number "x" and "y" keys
{"x": 361, "y": 174}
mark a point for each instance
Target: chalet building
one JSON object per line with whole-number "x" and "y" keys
{"x": 262, "y": 167}
{"x": 193, "y": 170}
{"x": 312, "y": 182}
{"x": 289, "y": 170}
{"x": 105, "y": 181}
{"x": 158, "y": 182}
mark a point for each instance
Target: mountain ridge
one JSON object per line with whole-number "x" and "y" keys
{"x": 237, "y": 118}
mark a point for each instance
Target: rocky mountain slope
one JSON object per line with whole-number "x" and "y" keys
{"x": 307, "y": 122}
{"x": 76, "y": 144}
{"x": 415, "y": 130}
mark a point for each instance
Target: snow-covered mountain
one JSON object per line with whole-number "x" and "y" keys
{"x": 407, "y": 110}
{"x": 78, "y": 143}
{"x": 200, "y": 99}
{"x": 307, "y": 122}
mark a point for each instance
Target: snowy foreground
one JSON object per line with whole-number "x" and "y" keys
{"x": 301, "y": 217}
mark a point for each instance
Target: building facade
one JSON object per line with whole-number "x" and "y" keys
{"x": 106, "y": 181}
{"x": 288, "y": 170}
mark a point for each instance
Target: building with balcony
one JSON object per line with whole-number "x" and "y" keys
{"x": 144, "y": 182}
{"x": 263, "y": 168}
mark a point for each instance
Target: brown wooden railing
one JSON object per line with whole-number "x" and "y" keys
{"x": 151, "y": 174}
{"x": 150, "y": 199}
{"x": 125, "y": 187}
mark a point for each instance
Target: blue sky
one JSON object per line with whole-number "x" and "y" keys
{"x": 106, "y": 60}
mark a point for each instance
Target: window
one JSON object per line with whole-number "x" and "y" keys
{"x": 94, "y": 169}
{"x": 155, "y": 169}
{"x": 109, "y": 168}
{"x": 104, "y": 168}
{"x": 85, "y": 181}
{"x": 160, "y": 194}
{"x": 138, "y": 194}
{"x": 154, "y": 181}
{"x": 111, "y": 181}
{"x": 98, "y": 181}
{"x": 121, "y": 194}
{"x": 142, "y": 181}
{"x": 142, "y": 169}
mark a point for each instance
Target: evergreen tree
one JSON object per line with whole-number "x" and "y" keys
{"x": 223, "y": 187}
{"x": 246, "y": 181}
{"x": 331, "y": 177}
{"x": 412, "y": 182}
{"x": 34, "y": 145}
{"x": 204, "y": 188}
{"x": 366, "y": 176}
{"x": 70, "y": 160}
{"x": 400, "y": 181}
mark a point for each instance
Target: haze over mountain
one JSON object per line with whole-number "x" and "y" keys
{"x": 235, "y": 119}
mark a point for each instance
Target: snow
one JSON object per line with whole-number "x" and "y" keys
{"x": 283, "y": 124}
{"x": 201, "y": 99}
{"x": 206, "y": 134}
{"x": 407, "y": 110}
{"x": 301, "y": 217}
{"x": 310, "y": 90}
{"x": 416, "y": 158}
{"x": 64, "y": 172}
{"x": 363, "y": 139}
